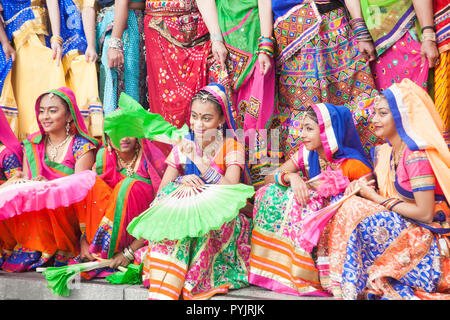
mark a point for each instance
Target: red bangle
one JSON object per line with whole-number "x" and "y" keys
{"x": 283, "y": 182}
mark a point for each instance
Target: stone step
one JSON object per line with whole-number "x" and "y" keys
{"x": 33, "y": 286}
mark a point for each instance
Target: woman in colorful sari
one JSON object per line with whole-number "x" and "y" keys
{"x": 392, "y": 243}
{"x": 73, "y": 44}
{"x": 60, "y": 148}
{"x": 279, "y": 260}
{"x": 198, "y": 268}
{"x": 442, "y": 69}
{"x": 243, "y": 49}
{"x": 323, "y": 57}
{"x": 10, "y": 164}
{"x": 25, "y": 26}
{"x": 178, "y": 47}
{"x": 404, "y": 38}
{"x": 134, "y": 173}
{"x": 120, "y": 43}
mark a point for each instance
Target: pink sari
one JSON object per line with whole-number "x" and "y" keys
{"x": 128, "y": 197}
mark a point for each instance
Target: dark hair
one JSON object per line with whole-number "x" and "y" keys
{"x": 310, "y": 113}
{"x": 208, "y": 96}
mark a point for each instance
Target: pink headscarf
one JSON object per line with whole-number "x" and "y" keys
{"x": 8, "y": 138}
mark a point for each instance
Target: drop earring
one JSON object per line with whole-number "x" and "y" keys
{"x": 67, "y": 127}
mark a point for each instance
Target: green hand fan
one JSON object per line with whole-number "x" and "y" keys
{"x": 131, "y": 275}
{"x": 190, "y": 211}
{"x": 59, "y": 278}
{"x": 132, "y": 120}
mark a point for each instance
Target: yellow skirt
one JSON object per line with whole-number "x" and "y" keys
{"x": 81, "y": 77}
{"x": 442, "y": 91}
{"x": 29, "y": 79}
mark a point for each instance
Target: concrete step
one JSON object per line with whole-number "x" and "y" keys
{"x": 33, "y": 286}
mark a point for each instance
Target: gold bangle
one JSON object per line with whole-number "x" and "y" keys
{"x": 429, "y": 37}
{"x": 57, "y": 39}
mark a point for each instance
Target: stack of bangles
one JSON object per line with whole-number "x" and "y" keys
{"x": 391, "y": 203}
{"x": 266, "y": 45}
{"x": 211, "y": 176}
{"x": 360, "y": 29}
{"x": 115, "y": 43}
{"x": 128, "y": 254}
{"x": 279, "y": 178}
{"x": 57, "y": 39}
{"x": 428, "y": 36}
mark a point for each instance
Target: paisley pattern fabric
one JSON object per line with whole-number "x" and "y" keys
{"x": 378, "y": 254}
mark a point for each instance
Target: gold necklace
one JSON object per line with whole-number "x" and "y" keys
{"x": 53, "y": 152}
{"x": 324, "y": 164}
{"x": 395, "y": 159}
{"x": 129, "y": 166}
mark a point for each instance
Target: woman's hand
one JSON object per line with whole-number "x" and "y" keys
{"x": 40, "y": 178}
{"x": 118, "y": 260}
{"x": 367, "y": 49}
{"x": 56, "y": 52}
{"x": 115, "y": 58}
{"x": 264, "y": 63}
{"x": 367, "y": 189}
{"x": 429, "y": 51}
{"x": 351, "y": 187}
{"x": 84, "y": 250}
{"x": 192, "y": 180}
{"x": 91, "y": 54}
{"x": 220, "y": 53}
{"x": 9, "y": 51}
{"x": 299, "y": 187}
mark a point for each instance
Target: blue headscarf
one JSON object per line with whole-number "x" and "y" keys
{"x": 339, "y": 137}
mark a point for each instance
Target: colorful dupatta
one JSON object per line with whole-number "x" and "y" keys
{"x": 8, "y": 138}
{"x": 420, "y": 128}
{"x": 339, "y": 138}
{"x": 11, "y": 153}
{"x": 251, "y": 94}
{"x": 219, "y": 91}
{"x": 37, "y": 161}
{"x": 387, "y": 21}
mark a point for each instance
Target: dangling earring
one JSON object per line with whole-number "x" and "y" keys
{"x": 109, "y": 149}
{"x": 67, "y": 127}
{"x": 219, "y": 134}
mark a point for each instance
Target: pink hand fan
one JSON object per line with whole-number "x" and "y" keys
{"x": 37, "y": 195}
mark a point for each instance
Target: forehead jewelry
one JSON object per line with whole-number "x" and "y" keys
{"x": 203, "y": 97}
{"x": 51, "y": 95}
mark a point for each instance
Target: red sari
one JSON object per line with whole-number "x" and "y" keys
{"x": 178, "y": 46}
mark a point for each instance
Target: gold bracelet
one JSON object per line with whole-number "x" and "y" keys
{"x": 429, "y": 36}
{"x": 57, "y": 39}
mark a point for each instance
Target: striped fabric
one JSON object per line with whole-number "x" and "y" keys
{"x": 442, "y": 92}
{"x": 290, "y": 271}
